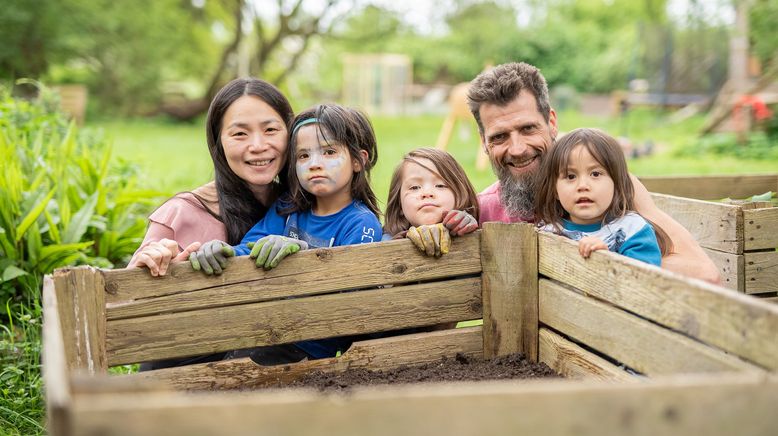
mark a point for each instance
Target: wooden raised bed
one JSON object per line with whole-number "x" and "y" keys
{"x": 740, "y": 238}
{"x": 646, "y": 351}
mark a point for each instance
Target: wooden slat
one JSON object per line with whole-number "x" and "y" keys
{"x": 761, "y": 272}
{"x": 275, "y": 322}
{"x": 376, "y": 355}
{"x": 761, "y": 227}
{"x": 55, "y": 366}
{"x": 572, "y": 361}
{"x": 81, "y": 302}
{"x": 510, "y": 293}
{"x": 712, "y": 187}
{"x": 734, "y": 322}
{"x": 713, "y": 225}
{"x": 731, "y": 267}
{"x": 712, "y": 406}
{"x": 305, "y": 273}
{"x": 640, "y": 344}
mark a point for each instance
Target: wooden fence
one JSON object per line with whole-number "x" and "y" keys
{"x": 741, "y": 238}
{"x": 645, "y": 351}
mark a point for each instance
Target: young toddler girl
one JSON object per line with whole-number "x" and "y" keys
{"x": 430, "y": 198}
{"x": 585, "y": 193}
{"x": 330, "y": 202}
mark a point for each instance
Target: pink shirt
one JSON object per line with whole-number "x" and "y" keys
{"x": 490, "y": 208}
{"x": 184, "y": 220}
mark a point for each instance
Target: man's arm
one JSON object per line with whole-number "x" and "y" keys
{"x": 687, "y": 257}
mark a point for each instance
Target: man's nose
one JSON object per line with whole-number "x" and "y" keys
{"x": 517, "y": 146}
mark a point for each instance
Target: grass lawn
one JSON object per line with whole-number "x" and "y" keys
{"x": 174, "y": 157}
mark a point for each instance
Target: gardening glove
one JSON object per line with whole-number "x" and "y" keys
{"x": 459, "y": 222}
{"x": 211, "y": 258}
{"x": 270, "y": 250}
{"x": 430, "y": 239}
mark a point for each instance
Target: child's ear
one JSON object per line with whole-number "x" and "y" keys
{"x": 358, "y": 165}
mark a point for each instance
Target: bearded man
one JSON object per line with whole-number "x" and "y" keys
{"x": 517, "y": 127}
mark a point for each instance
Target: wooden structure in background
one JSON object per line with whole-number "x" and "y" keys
{"x": 741, "y": 238}
{"x": 377, "y": 83}
{"x": 646, "y": 351}
{"x": 458, "y": 111}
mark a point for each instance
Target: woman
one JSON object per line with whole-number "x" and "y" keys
{"x": 247, "y": 133}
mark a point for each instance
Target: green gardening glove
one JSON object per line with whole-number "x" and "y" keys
{"x": 270, "y": 250}
{"x": 211, "y": 258}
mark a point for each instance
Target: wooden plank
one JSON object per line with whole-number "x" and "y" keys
{"x": 761, "y": 227}
{"x": 510, "y": 293}
{"x": 276, "y": 322}
{"x": 572, "y": 361}
{"x": 734, "y": 322}
{"x": 55, "y": 365}
{"x": 731, "y": 267}
{"x": 713, "y": 225}
{"x": 133, "y": 292}
{"x": 712, "y": 187}
{"x": 80, "y": 296}
{"x": 640, "y": 344}
{"x": 773, "y": 300}
{"x": 713, "y": 406}
{"x": 376, "y": 355}
{"x": 761, "y": 272}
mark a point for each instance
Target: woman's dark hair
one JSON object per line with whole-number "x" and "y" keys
{"x": 448, "y": 169}
{"x": 238, "y": 208}
{"x": 607, "y": 152}
{"x": 344, "y": 126}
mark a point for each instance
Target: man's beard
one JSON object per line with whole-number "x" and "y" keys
{"x": 517, "y": 195}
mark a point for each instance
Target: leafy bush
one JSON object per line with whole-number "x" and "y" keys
{"x": 759, "y": 146}
{"x": 62, "y": 203}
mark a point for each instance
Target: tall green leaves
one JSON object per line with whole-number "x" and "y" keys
{"x": 61, "y": 202}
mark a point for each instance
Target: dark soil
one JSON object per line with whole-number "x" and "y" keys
{"x": 514, "y": 366}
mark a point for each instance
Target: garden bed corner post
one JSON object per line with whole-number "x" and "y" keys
{"x": 509, "y": 258}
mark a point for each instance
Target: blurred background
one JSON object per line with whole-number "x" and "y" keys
{"x": 102, "y": 106}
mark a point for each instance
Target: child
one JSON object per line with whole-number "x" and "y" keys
{"x": 586, "y": 194}
{"x": 330, "y": 203}
{"x": 429, "y": 199}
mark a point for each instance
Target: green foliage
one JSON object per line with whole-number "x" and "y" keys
{"x": 61, "y": 203}
{"x": 763, "y": 21}
{"x": 758, "y": 146}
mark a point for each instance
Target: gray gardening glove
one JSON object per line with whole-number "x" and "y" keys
{"x": 270, "y": 250}
{"x": 430, "y": 239}
{"x": 459, "y": 222}
{"x": 211, "y": 258}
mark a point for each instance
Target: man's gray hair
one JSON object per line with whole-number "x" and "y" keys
{"x": 502, "y": 84}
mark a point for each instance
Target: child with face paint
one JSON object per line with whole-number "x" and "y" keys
{"x": 330, "y": 202}
{"x": 430, "y": 199}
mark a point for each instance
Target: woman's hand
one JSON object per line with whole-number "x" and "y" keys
{"x": 589, "y": 244}
{"x": 430, "y": 239}
{"x": 157, "y": 255}
{"x": 270, "y": 250}
{"x": 459, "y": 222}
{"x": 211, "y": 258}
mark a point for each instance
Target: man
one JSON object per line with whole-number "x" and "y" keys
{"x": 517, "y": 126}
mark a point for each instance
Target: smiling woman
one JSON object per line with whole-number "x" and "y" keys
{"x": 247, "y": 133}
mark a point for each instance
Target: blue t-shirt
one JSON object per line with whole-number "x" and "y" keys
{"x": 354, "y": 224}
{"x": 630, "y": 235}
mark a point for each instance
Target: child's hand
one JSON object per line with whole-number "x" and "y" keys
{"x": 270, "y": 250}
{"x": 430, "y": 239}
{"x": 589, "y": 244}
{"x": 459, "y": 222}
{"x": 157, "y": 255}
{"x": 211, "y": 258}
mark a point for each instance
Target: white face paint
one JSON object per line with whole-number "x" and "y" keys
{"x": 323, "y": 169}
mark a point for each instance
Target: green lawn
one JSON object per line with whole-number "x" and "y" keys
{"x": 174, "y": 157}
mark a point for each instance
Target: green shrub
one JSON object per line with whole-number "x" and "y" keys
{"x": 62, "y": 202}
